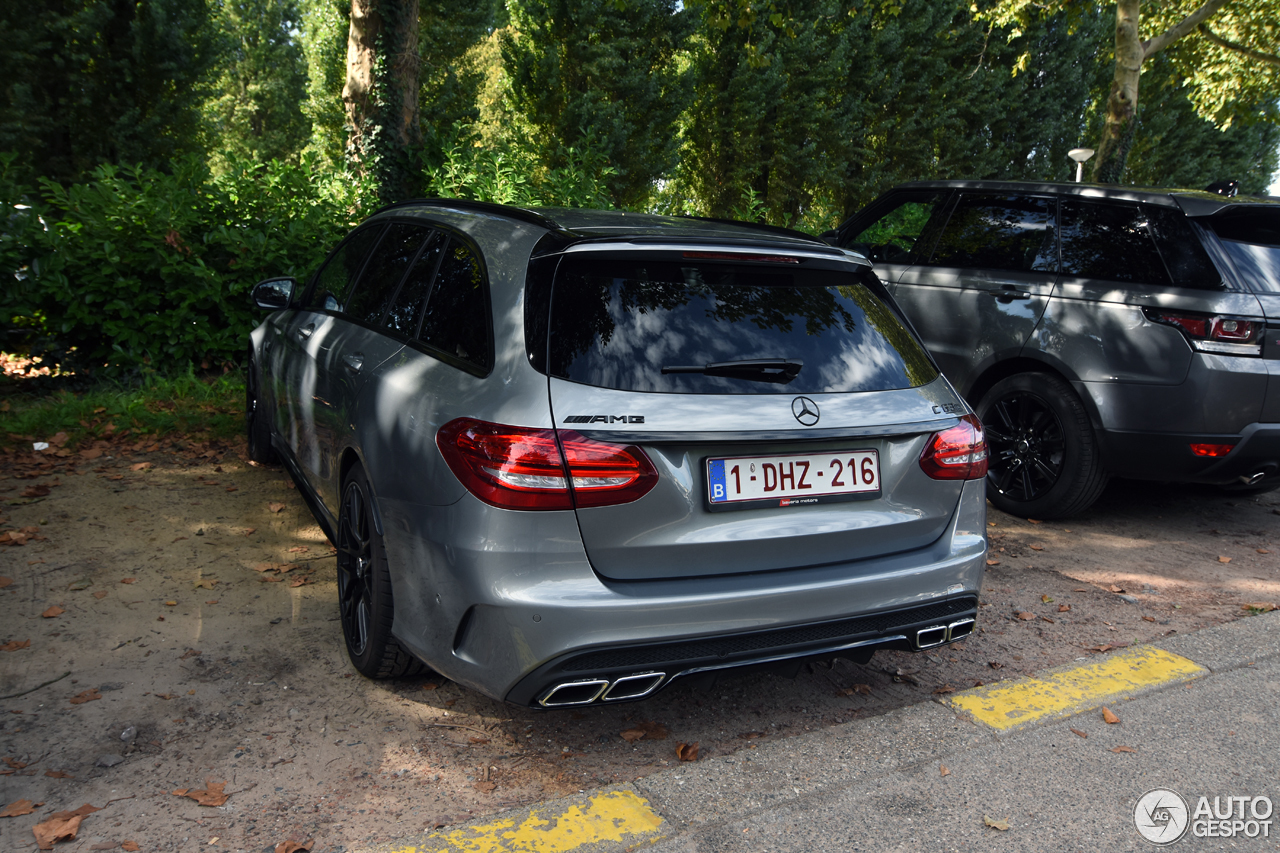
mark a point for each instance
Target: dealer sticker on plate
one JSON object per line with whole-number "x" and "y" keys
{"x": 792, "y": 479}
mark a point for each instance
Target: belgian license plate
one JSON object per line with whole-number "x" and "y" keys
{"x": 793, "y": 479}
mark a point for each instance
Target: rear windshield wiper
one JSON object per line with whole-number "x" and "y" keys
{"x": 780, "y": 370}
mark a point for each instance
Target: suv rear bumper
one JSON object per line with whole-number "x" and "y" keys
{"x": 1167, "y": 457}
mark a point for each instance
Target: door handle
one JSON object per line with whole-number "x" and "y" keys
{"x": 354, "y": 361}
{"x": 305, "y": 331}
{"x": 1008, "y": 293}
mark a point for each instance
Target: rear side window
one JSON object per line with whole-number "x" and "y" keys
{"x": 457, "y": 317}
{"x": 899, "y": 235}
{"x": 1179, "y": 244}
{"x": 1111, "y": 242}
{"x": 390, "y": 260}
{"x": 1013, "y": 233}
{"x": 406, "y": 312}
{"x": 338, "y": 277}
{"x": 618, "y": 322}
{"x": 1253, "y": 242}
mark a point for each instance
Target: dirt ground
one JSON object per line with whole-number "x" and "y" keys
{"x": 168, "y": 622}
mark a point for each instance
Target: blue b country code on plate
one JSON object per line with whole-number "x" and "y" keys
{"x": 715, "y": 481}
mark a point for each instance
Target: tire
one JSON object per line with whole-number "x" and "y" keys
{"x": 257, "y": 425}
{"x": 365, "y": 602}
{"x": 1043, "y": 457}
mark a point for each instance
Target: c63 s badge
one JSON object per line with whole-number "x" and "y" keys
{"x": 603, "y": 419}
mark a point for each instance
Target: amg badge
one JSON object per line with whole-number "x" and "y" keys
{"x": 604, "y": 419}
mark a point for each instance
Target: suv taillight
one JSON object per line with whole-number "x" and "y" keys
{"x": 1209, "y": 333}
{"x": 522, "y": 468}
{"x": 959, "y": 453}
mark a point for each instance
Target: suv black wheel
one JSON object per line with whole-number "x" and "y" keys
{"x": 365, "y": 603}
{"x": 256, "y": 424}
{"x": 1043, "y": 458}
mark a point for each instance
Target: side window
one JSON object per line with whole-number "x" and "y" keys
{"x": 899, "y": 234}
{"x": 1180, "y": 246}
{"x": 1252, "y": 239}
{"x": 390, "y": 260}
{"x": 406, "y": 311}
{"x": 1109, "y": 241}
{"x": 334, "y": 283}
{"x": 457, "y": 317}
{"x": 1014, "y": 233}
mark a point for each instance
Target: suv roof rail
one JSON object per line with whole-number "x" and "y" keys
{"x": 520, "y": 213}
{"x": 759, "y": 226}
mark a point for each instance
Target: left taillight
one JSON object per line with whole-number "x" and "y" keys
{"x": 522, "y": 468}
{"x": 959, "y": 453}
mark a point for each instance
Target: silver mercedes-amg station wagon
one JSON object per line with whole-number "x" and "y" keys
{"x": 571, "y": 456}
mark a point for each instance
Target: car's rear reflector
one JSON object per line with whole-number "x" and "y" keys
{"x": 1211, "y": 449}
{"x": 524, "y": 468}
{"x": 959, "y": 453}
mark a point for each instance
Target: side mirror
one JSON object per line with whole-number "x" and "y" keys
{"x": 831, "y": 237}
{"x": 274, "y": 293}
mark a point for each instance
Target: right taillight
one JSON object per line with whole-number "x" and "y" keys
{"x": 959, "y": 453}
{"x": 1211, "y": 333}
{"x": 523, "y": 468}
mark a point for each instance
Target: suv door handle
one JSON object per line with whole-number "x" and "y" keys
{"x": 305, "y": 331}
{"x": 1008, "y": 293}
{"x": 354, "y": 361}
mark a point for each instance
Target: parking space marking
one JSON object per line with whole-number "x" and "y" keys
{"x": 606, "y": 817}
{"x": 1062, "y": 692}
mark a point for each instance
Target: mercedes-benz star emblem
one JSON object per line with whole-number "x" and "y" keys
{"x": 805, "y": 410}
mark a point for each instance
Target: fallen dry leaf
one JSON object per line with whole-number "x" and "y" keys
{"x": 1064, "y": 608}
{"x": 1113, "y": 588}
{"x": 299, "y": 549}
{"x": 1101, "y": 648}
{"x": 993, "y": 562}
{"x": 165, "y": 696}
{"x": 1047, "y": 619}
{"x": 214, "y": 601}
{"x": 1002, "y": 825}
{"x": 1263, "y": 551}
{"x": 1077, "y": 731}
{"x": 171, "y": 604}
{"x": 53, "y": 611}
{"x": 1046, "y": 599}
{"x": 130, "y": 846}
{"x": 61, "y": 826}
{"x": 86, "y": 696}
{"x": 995, "y": 664}
{"x": 100, "y": 594}
{"x": 190, "y": 653}
{"x": 944, "y": 689}
{"x": 275, "y": 506}
{"x": 1148, "y": 618}
{"x": 301, "y": 581}
{"x": 687, "y": 752}
{"x": 18, "y": 809}
{"x": 1259, "y": 606}
{"x": 1025, "y": 616}
{"x": 1224, "y": 559}
{"x": 1124, "y": 749}
{"x": 250, "y": 531}
{"x": 1110, "y": 716}
{"x": 14, "y": 645}
{"x": 141, "y": 466}
{"x": 37, "y": 491}
{"x": 4, "y": 582}
{"x": 944, "y": 770}
{"x": 486, "y": 787}
{"x": 15, "y": 763}
{"x": 79, "y": 584}
{"x": 128, "y": 580}
{"x": 206, "y": 583}
{"x": 474, "y": 739}
{"x": 58, "y": 774}
{"x": 210, "y": 795}
{"x": 1036, "y": 546}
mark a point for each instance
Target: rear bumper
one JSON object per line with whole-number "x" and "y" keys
{"x": 514, "y": 623}
{"x": 1168, "y": 457}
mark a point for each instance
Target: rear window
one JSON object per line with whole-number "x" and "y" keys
{"x": 616, "y": 323}
{"x": 1253, "y": 242}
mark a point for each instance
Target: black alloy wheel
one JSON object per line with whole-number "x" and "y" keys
{"x": 1026, "y": 446}
{"x": 365, "y": 603}
{"x": 1043, "y": 459}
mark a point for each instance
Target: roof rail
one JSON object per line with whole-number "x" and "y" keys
{"x": 759, "y": 226}
{"x": 520, "y": 213}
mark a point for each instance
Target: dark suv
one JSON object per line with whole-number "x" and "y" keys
{"x": 1097, "y": 330}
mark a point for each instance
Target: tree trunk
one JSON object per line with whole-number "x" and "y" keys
{"x": 381, "y": 95}
{"x": 1122, "y": 105}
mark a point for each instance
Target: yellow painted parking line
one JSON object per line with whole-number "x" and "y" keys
{"x": 1069, "y": 690}
{"x": 606, "y": 817}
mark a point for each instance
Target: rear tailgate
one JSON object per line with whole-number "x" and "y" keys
{"x": 691, "y": 357}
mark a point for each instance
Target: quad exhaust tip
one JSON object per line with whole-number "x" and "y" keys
{"x": 585, "y": 692}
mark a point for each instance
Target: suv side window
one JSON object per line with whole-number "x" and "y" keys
{"x": 333, "y": 284}
{"x": 900, "y": 234}
{"x": 1180, "y": 247}
{"x": 1252, "y": 239}
{"x": 406, "y": 312}
{"x": 1109, "y": 241}
{"x": 386, "y": 267}
{"x": 1000, "y": 232}
{"x": 457, "y": 316}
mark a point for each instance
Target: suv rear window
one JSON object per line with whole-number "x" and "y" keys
{"x": 617, "y": 322}
{"x": 1252, "y": 239}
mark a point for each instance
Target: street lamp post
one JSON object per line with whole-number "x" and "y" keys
{"x": 1080, "y": 155}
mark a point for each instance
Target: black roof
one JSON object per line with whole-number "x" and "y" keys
{"x": 1192, "y": 202}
